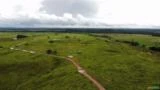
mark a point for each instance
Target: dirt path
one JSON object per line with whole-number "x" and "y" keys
{"x": 70, "y": 59}
{"x": 85, "y": 74}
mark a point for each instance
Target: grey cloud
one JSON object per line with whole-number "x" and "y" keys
{"x": 59, "y": 7}
{"x": 45, "y": 20}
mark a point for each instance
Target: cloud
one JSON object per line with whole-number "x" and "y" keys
{"x": 38, "y": 13}
{"x": 59, "y": 7}
{"x": 48, "y": 13}
{"x": 138, "y": 12}
{"x": 46, "y": 20}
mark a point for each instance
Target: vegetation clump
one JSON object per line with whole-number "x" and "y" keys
{"x": 48, "y": 37}
{"x": 133, "y": 43}
{"x": 67, "y": 37}
{"x": 21, "y": 36}
{"x": 49, "y": 51}
{"x": 51, "y": 41}
{"x": 26, "y": 44}
{"x": 156, "y": 34}
{"x": 79, "y": 52}
{"x": 154, "y": 48}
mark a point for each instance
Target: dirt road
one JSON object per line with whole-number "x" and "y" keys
{"x": 70, "y": 59}
{"x": 85, "y": 74}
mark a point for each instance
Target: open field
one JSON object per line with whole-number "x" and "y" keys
{"x": 147, "y": 40}
{"x": 116, "y": 65}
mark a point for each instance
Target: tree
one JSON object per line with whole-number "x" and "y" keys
{"x": 67, "y": 37}
{"x": 155, "y": 48}
{"x": 21, "y": 36}
{"x": 49, "y": 51}
{"x": 51, "y": 41}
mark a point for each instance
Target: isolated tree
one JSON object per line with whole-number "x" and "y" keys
{"x": 135, "y": 43}
{"x": 51, "y": 41}
{"x": 154, "y": 48}
{"x": 143, "y": 45}
{"x": 67, "y": 37}
{"x": 49, "y": 51}
{"x": 21, "y": 36}
{"x": 48, "y": 37}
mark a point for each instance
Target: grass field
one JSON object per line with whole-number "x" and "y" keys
{"x": 147, "y": 40}
{"x": 116, "y": 65}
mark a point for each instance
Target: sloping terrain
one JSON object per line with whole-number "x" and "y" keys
{"x": 116, "y": 65}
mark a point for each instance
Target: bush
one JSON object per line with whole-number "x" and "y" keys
{"x": 117, "y": 40}
{"x": 21, "y": 36}
{"x": 50, "y": 41}
{"x": 106, "y": 40}
{"x": 26, "y": 44}
{"x": 155, "y": 48}
{"x": 51, "y": 52}
{"x": 55, "y": 52}
{"x": 79, "y": 52}
{"x": 156, "y": 34}
{"x": 1, "y": 46}
{"x": 48, "y": 37}
{"x": 67, "y": 37}
{"x": 144, "y": 46}
{"x": 133, "y": 43}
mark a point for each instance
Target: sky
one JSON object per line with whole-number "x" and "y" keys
{"x": 90, "y": 13}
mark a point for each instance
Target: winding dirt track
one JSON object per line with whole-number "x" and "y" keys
{"x": 79, "y": 68}
{"x": 84, "y": 73}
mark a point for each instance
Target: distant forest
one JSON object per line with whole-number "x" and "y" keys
{"x": 87, "y": 30}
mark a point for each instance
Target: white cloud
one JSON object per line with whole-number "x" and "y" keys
{"x": 59, "y": 7}
{"x": 141, "y": 12}
{"x": 9, "y": 8}
{"x": 28, "y": 13}
{"x": 45, "y": 20}
{"x": 78, "y": 12}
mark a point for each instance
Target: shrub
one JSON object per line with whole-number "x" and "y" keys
{"x": 144, "y": 46}
{"x": 26, "y": 44}
{"x": 51, "y": 52}
{"x": 79, "y": 52}
{"x": 133, "y": 43}
{"x": 55, "y": 52}
{"x": 67, "y": 37}
{"x": 106, "y": 40}
{"x": 51, "y": 41}
{"x": 153, "y": 48}
{"x": 156, "y": 34}
{"x": 21, "y": 36}
{"x": 48, "y": 37}
{"x": 1, "y": 46}
{"x": 117, "y": 40}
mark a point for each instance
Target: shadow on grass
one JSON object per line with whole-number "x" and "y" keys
{"x": 17, "y": 74}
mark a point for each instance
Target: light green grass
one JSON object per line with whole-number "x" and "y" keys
{"x": 116, "y": 65}
{"x": 148, "y": 40}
